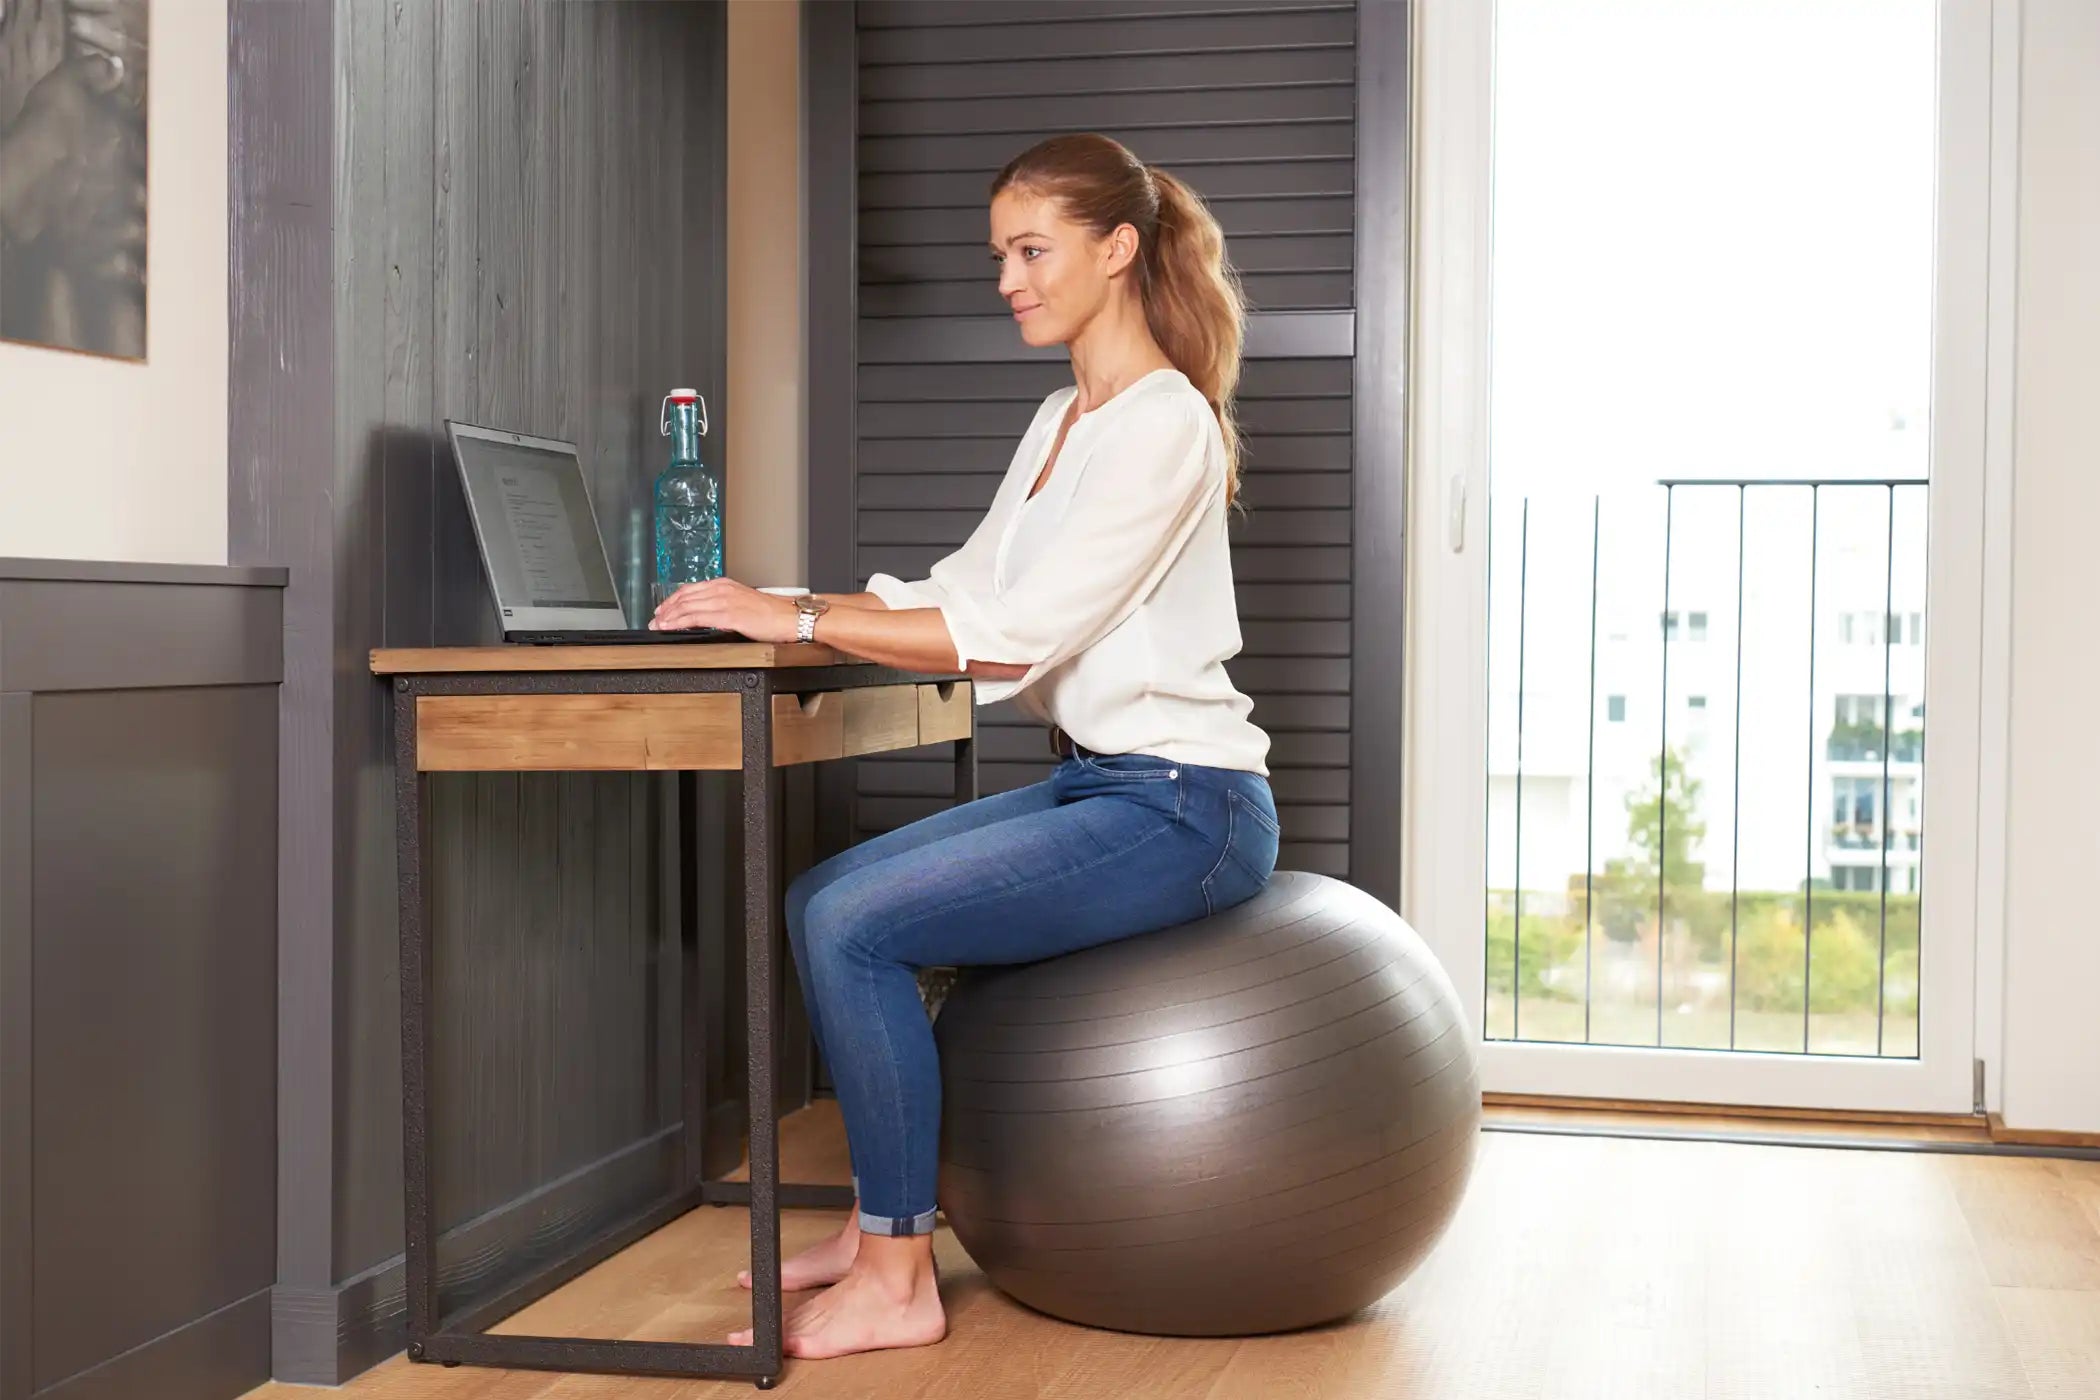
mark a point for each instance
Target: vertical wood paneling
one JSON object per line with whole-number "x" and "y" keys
{"x": 521, "y": 250}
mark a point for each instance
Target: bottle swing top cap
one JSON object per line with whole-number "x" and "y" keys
{"x": 680, "y": 396}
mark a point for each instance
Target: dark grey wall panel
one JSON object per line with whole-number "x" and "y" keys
{"x": 1380, "y": 393}
{"x": 154, "y": 1132}
{"x": 138, "y": 980}
{"x": 17, "y": 1041}
{"x": 280, "y": 473}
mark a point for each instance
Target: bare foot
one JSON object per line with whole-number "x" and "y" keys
{"x": 819, "y": 1266}
{"x": 890, "y": 1298}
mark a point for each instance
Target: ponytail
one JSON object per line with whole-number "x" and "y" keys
{"x": 1190, "y": 293}
{"x": 1194, "y": 306}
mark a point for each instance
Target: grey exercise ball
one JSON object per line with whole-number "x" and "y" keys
{"x": 1251, "y": 1123}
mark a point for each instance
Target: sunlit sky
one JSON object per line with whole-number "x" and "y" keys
{"x": 1712, "y": 240}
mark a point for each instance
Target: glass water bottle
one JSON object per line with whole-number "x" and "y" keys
{"x": 688, "y": 500}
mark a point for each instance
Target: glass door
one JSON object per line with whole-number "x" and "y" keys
{"x": 1699, "y": 371}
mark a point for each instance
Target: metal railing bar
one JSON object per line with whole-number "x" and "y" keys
{"x": 1516, "y": 950}
{"x": 1735, "y": 819}
{"x": 1808, "y": 867}
{"x": 1589, "y": 788}
{"x": 1888, "y": 741}
{"x": 1662, "y": 771}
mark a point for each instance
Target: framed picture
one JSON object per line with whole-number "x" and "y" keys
{"x": 73, "y": 175}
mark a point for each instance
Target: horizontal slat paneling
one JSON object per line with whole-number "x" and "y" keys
{"x": 1146, "y": 32}
{"x": 1273, "y": 457}
{"x": 973, "y": 491}
{"x": 972, "y": 340}
{"x": 1253, "y": 105}
{"x": 1134, "y": 111}
{"x": 1264, "y": 235}
{"x": 1008, "y": 419}
{"x": 1254, "y": 564}
{"x": 969, "y": 259}
{"x": 949, "y": 528}
{"x": 1265, "y": 291}
{"x": 1183, "y": 149}
{"x": 1031, "y": 383}
{"x": 1221, "y": 183}
{"x": 939, "y": 82}
{"x": 897, "y": 14}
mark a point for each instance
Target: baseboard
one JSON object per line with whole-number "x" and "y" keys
{"x": 221, "y": 1355}
{"x": 2040, "y": 1137}
{"x": 327, "y": 1336}
{"x": 1717, "y": 1110}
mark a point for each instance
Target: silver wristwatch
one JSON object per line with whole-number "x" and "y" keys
{"x": 808, "y": 608}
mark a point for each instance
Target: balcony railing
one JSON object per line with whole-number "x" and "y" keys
{"x": 1619, "y": 934}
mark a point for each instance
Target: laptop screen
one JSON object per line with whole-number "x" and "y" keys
{"x": 539, "y": 538}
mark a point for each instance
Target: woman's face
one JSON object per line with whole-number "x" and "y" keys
{"x": 1055, "y": 275}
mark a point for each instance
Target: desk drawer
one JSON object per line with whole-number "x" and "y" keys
{"x": 880, "y": 719}
{"x": 808, "y": 728}
{"x": 638, "y": 733}
{"x": 567, "y": 733}
{"x": 944, "y": 711}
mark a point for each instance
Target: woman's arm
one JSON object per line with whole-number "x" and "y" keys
{"x": 854, "y": 600}
{"x": 910, "y": 639}
{"x": 914, "y": 639}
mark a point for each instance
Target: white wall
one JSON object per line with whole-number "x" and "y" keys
{"x": 2052, "y": 965}
{"x": 105, "y": 460}
{"x": 768, "y": 494}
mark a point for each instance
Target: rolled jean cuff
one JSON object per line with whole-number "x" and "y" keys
{"x": 895, "y": 1225}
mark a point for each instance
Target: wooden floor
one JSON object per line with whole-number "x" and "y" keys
{"x": 1615, "y": 1268}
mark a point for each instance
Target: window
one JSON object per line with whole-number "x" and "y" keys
{"x": 1853, "y": 800}
{"x": 1669, "y": 626}
{"x": 1845, "y": 628}
{"x": 1696, "y": 626}
{"x": 1696, "y": 702}
{"x": 1862, "y": 711}
{"x": 1615, "y": 709}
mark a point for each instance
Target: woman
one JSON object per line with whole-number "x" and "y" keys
{"x": 1097, "y": 593}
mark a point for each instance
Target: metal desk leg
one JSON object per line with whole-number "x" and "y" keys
{"x": 761, "y": 992}
{"x": 692, "y": 1026}
{"x": 966, "y": 763}
{"x": 411, "y": 824}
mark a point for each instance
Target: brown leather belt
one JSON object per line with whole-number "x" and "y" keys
{"x": 1061, "y": 744}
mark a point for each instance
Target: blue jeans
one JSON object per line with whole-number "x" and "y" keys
{"x": 1108, "y": 847}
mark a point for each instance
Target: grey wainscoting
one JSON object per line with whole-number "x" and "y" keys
{"x": 506, "y": 214}
{"x": 138, "y": 875}
{"x": 1291, "y": 119}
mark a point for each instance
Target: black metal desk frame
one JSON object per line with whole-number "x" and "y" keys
{"x": 463, "y": 1338}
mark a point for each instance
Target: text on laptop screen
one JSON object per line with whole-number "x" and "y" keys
{"x": 543, "y": 551}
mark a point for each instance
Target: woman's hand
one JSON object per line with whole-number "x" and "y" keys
{"x": 725, "y": 603}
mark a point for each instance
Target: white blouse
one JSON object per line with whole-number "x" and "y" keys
{"x": 1113, "y": 584}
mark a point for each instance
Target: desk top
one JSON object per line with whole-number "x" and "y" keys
{"x": 645, "y": 656}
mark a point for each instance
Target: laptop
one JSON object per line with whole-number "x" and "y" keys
{"x": 540, "y": 546}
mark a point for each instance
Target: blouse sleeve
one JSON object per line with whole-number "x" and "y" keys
{"x": 897, "y": 595}
{"x": 1143, "y": 496}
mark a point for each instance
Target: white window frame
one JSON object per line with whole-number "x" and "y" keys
{"x": 1443, "y": 857}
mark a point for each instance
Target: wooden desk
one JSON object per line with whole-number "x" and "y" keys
{"x": 747, "y": 707}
